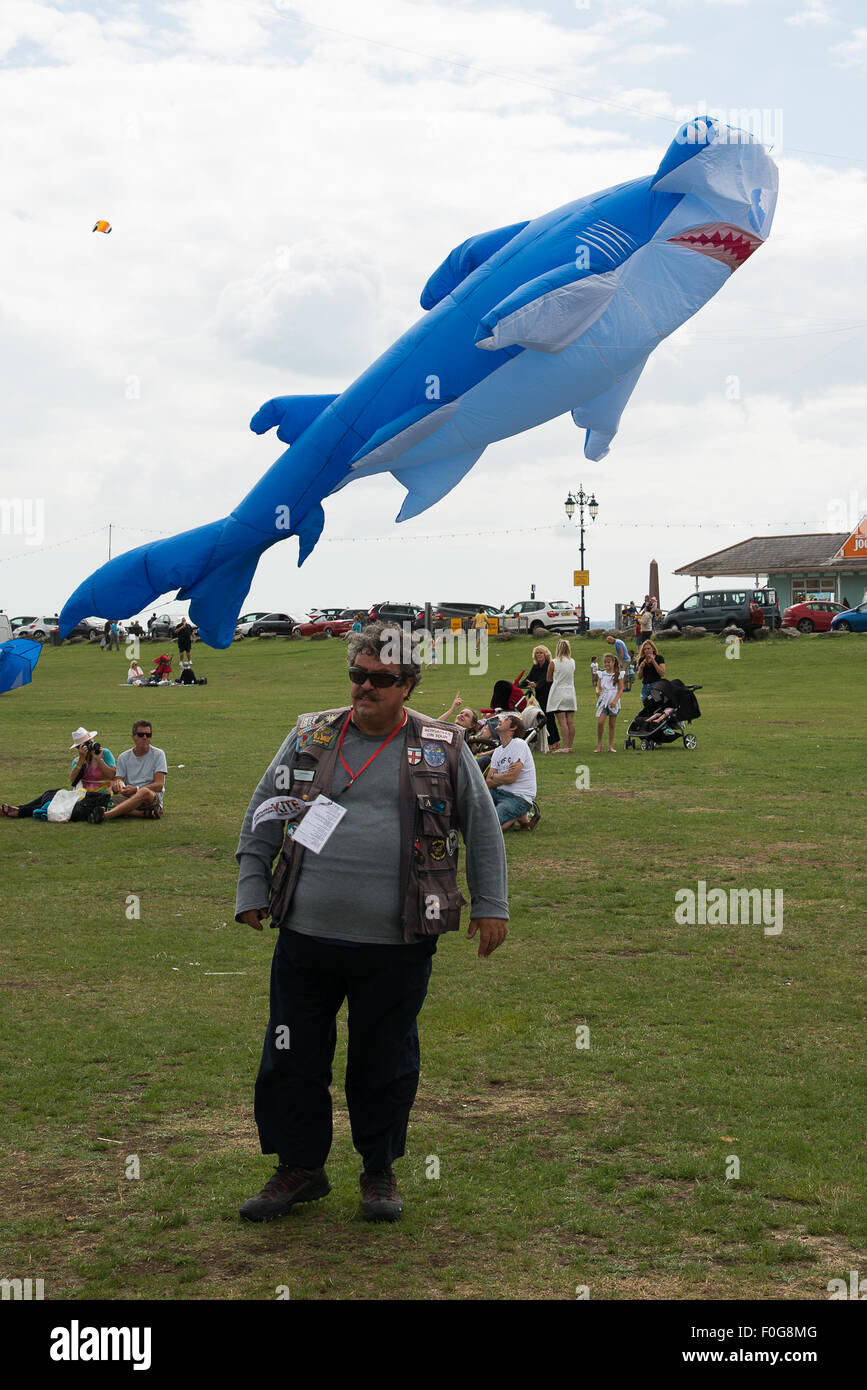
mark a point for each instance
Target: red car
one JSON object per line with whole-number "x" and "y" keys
{"x": 332, "y": 627}
{"x": 813, "y": 616}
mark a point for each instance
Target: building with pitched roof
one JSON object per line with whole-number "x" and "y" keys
{"x": 827, "y": 565}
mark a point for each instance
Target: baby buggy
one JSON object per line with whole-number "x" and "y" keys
{"x": 507, "y": 695}
{"x": 669, "y": 705}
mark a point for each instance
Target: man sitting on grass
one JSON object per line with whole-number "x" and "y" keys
{"x": 141, "y": 777}
{"x": 511, "y": 776}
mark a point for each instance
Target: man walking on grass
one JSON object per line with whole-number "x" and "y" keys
{"x": 359, "y": 916}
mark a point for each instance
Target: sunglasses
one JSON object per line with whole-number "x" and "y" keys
{"x": 138, "y": 734}
{"x": 380, "y": 679}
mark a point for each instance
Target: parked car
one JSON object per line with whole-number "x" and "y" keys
{"x": 15, "y": 623}
{"x": 813, "y": 616}
{"x": 38, "y": 629}
{"x": 282, "y": 623}
{"x": 442, "y": 613}
{"x": 397, "y": 613}
{"x": 851, "y": 619}
{"x": 246, "y": 621}
{"x": 539, "y": 616}
{"x": 332, "y": 627}
{"x": 716, "y": 609}
{"x": 316, "y": 613}
{"x": 91, "y": 628}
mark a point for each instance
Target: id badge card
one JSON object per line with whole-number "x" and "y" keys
{"x": 319, "y": 824}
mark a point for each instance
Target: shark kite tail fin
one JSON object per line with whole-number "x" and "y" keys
{"x": 212, "y": 565}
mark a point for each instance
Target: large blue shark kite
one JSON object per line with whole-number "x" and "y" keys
{"x": 523, "y": 324}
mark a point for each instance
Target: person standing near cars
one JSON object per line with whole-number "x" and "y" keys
{"x": 184, "y": 634}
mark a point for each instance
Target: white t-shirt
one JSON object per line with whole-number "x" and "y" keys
{"x": 516, "y": 751}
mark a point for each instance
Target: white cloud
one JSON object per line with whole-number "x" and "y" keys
{"x": 852, "y": 53}
{"x": 814, "y": 13}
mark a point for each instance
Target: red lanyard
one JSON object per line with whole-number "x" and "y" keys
{"x": 353, "y": 776}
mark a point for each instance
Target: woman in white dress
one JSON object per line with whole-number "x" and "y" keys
{"x": 562, "y": 702}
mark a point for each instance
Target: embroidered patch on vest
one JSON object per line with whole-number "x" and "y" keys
{"x": 444, "y": 735}
{"x": 433, "y": 755}
{"x": 306, "y": 722}
{"x": 437, "y": 849}
{"x": 323, "y": 736}
{"x": 413, "y": 756}
{"x": 452, "y": 842}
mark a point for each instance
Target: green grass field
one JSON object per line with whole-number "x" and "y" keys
{"x": 559, "y": 1166}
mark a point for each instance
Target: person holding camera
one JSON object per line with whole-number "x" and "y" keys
{"x": 93, "y": 769}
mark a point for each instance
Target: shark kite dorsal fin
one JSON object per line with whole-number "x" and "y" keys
{"x": 463, "y": 260}
{"x": 292, "y": 414}
{"x": 548, "y": 314}
{"x": 601, "y": 416}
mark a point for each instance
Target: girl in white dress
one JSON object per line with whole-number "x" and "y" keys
{"x": 609, "y": 688}
{"x": 562, "y": 701}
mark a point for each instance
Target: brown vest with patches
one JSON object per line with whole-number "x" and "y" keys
{"x": 430, "y": 897}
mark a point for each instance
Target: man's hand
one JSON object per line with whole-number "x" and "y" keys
{"x": 492, "y": 933}
{"x": 253, "y": 917}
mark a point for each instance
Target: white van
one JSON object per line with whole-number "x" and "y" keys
{"x": 5, "y": 628}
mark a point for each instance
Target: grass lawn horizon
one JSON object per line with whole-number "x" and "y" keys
{"x": 617, "y": 1099}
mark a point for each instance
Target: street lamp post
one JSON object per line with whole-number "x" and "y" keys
{"x": 581, "y": 500}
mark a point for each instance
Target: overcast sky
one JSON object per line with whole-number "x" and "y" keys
{"x": 282, "y": 178}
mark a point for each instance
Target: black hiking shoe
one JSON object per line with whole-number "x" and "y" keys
{"x": 379, "y": 1196}
{"x": 286, "y": 1188}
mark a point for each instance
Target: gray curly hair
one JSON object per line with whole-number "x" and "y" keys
{"x": 390, "y": 644}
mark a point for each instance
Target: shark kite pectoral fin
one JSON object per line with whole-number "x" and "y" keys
{"x": 293, "y": 415}
{"x": 427, "y": 483}
{"x": 463, "y": 260}
{"x": 402, "y": 434}
{"x": 548, "y": 314}
{"x": 601, "y": 416}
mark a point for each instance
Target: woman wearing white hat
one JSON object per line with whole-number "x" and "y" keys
{"x": 93, "y": 769}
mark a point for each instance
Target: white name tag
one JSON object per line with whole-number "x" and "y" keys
{"x": 279, "y": 808}
{"x": 303, "y": 774}
{"x": 445, "y": 735}
{"x": 319, "y": 824}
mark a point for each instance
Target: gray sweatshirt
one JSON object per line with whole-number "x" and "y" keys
{"x": 351, "y": 889}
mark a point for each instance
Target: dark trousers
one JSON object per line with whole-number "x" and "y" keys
{"x": 30, "y": 806}
{"x": 385, "y": 987}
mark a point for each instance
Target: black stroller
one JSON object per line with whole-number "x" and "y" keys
{"x": 669, "y": 705}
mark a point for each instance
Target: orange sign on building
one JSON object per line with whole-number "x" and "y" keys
{"x": 855, "y": 547}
